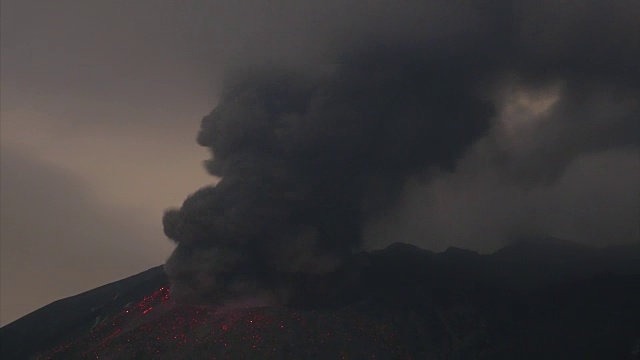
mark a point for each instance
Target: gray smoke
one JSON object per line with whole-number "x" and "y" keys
{"x": 304, "y": 162}
{"x": 308, "y": 157}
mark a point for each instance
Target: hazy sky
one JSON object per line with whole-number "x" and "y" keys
{"x": 101, "y": 102}
{"x": 100, "y": 108}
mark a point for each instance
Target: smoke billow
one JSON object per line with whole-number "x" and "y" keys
{"x": 304, "y": 161}
{"x": 308, "y": 158}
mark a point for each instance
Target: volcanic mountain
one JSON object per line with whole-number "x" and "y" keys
{"x": 534, "y": 299}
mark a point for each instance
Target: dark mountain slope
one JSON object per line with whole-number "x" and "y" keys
{"x": 68, "y": 318}
{"x": 543, "y": 299}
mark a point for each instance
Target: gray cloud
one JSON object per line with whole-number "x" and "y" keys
{"x": 300, "y": 157}
{"x": 594, "y": 202}
{"x": 401, "y": 101}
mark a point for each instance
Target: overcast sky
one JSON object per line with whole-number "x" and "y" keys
{"x": 100, "y": 108}
{"x": 101, "y": 102}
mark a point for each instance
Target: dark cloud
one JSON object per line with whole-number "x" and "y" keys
{"x": 586, "y": 118}
{"x": 299, "y": 158}
{"x": 594, "y": 201}
{"x": 307, "y": 159}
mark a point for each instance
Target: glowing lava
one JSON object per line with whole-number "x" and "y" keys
{"x": 158, "y": 328}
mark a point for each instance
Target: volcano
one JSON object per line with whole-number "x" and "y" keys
{"x": 534, "y": 299}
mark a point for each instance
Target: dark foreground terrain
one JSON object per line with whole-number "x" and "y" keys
{"x": 534, "y": 299}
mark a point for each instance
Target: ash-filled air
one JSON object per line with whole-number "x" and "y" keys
{"x": 305, "y": 160}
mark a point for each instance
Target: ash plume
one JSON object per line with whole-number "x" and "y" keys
{"x": 308, "y": 158}
{"x": 305, "y": 161}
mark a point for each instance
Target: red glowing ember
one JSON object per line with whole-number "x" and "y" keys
{"x": 158, "y": 328}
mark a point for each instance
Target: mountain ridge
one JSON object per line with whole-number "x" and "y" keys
{"x": 436, "y": 286}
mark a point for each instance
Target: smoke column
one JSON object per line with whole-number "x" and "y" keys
{"x": 307, "y": 158}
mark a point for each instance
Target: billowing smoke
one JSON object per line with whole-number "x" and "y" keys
{"x": 307, "y": 158}
{"x": 305, "y": 161}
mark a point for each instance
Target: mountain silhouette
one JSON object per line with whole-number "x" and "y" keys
{"x": 537, "y": 298}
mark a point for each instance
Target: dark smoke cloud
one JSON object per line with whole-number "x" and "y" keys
{"x": 299, "y": 158}
{"x": 309, "y": 156}
{"x": 586, "y": 118}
